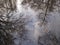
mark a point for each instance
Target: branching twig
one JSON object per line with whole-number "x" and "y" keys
{"x": 47, "y": 5}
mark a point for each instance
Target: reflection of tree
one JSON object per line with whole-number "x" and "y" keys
{"x": 45, "y": 5}
{"x": 8, "y": 4}
{"x": 7, "y": 24}
{"x": 7, "y": 8}
{"x": 5, "y": 37}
